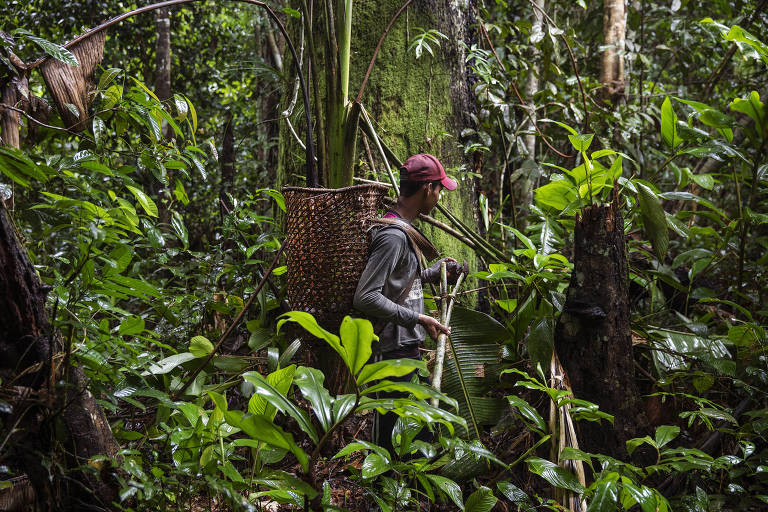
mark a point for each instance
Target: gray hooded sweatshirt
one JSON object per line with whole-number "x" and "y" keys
{"x": 391, "y": 265}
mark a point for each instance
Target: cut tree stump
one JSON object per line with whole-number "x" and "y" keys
{"x": 593, "y": 334}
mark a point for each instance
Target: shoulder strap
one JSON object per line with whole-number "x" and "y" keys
{"x": 421, "y": 245}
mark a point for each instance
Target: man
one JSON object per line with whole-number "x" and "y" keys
{"x": 390, "y": 288}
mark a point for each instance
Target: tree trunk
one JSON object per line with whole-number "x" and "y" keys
{"x": 531, "y": 86}
{"x": 9, "y": 119}
{"x": 39, "y": 410}
{"x": 593, "y": 336}
{"x": 163, "y": 54}
{"x": 614, "y": 34}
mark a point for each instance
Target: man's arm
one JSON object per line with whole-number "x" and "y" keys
{"x": 387, "y": 249}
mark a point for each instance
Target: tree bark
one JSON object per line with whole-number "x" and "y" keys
{"x": 39, "y": 409}
{"x": 614, "y": 35}
{"x": 163, "y": 54}
{"x": 593, "y": 335}
{"x": 531, "y": 86}
{"x": 9, "y": 119}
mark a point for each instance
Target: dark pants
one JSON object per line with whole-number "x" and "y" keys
{"x": 384, "y": 424}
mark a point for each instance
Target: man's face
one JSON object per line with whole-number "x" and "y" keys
{"x": 431, "y": 196}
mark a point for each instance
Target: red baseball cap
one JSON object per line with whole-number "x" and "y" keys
{"x": 425, "y": 167}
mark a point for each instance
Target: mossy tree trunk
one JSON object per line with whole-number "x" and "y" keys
{"x": 417, "y": 105}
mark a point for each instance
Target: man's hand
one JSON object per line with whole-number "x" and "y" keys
{"x": 452, "y": 267}
{"x": 433, "y": 327}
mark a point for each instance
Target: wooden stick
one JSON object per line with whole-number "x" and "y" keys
{"x": 446, "y": 308}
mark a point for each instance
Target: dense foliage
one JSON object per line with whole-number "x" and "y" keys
{"x": 151, "y": 251}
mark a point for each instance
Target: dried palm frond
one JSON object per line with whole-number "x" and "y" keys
{"x": 69, "y": 85}
{"x": 564, "y": 434}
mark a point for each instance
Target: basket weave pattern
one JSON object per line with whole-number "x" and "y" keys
{"x": 327, "y": 247}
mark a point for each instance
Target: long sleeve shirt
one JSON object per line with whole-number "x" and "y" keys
{"x": 392, "y": 264}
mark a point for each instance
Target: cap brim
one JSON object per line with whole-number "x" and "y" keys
{"x": 449, "y": 183}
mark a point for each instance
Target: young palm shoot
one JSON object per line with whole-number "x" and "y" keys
{"x": 446, "y": 308}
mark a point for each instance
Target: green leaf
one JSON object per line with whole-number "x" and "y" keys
{"x": 146, "y": 90}
{"x": 281, "y": 379}
{"x": 146, "y": 203}
{"x": 541, "y": 342}
{"x": 169, "y": 363}
{"x": 669, "y": 124}
{"x": 108, "y": 77}
{"x": 177, "y": 223}
{"x": 554, "y": 474}
{"x": 556, "y": 194}
{"x": 529, "y": 413}
{"x": 373, "y": 465}
{"x": 512, "y": 492}
{"x": 274, "y": 397}
{"x": 482, "y": 500}
{"x": 309, "y": 323}
{"x": 200, "y": 346}
{"x": 449, "y": 488}
{"x": 131, "y": 325}
{"x": 356, "y": 338}
{"x": 605, "y": 497}
{"x": 99, "y": 128}
{"x": 310, "y": 382}
{"x": 581, "y": 142}
{"x": 632, "y": 444}
{"x": 262, "y": 429}
{"x": 753, "y": 107}
{"x": 654, "y": 220}
{"x": 56, "y": 51}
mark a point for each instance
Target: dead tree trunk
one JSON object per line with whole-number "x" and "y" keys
{"x": 9, "y": 119}
{"x": 614, "y": 35}
{"x": 593, "y": 336}
{"x": 50, "y": 428}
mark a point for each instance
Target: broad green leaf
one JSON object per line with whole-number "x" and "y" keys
{"x": 753, "y": 107}
{"x": 274, "y": 397}
{"x": 449, "y": 488}
{"x": 669, "y": 124}
{"x": 177, "y": 223}
{"x": 632, "y": 444}
{"x": 529, "y": 413}
{"x": 581, "y": 142}
{"x": 654, "y": 220}
{"x": 420, "y": 391}
{"x": 200, "y": 346}
{"x": 482, "y": 500}
{"x": 641, "y": 495}
{"x": 169, "y": 363}
{"x": 131, "y": 325}
{"x": 310, "y": 382}
{"x": 342, "y": 406}
{"x": 261, "y": 429}
{"x": 99, "y": 128}
{"x": 146, "y": 203}
{"x": 360, "y": 445}
{"x": 512, "y": 492}
{"x": 108, "y": 77}
{"x": 281, "y": 379}
{"x": 541, "y": 342}
{"x": 146, "y": 89}
{"x": 554, "y": 474}
{"x": 373, "y": 465}
{"x": 309, "y": 323}
{"x": 605, "y": 497}
{"x": 182, "y": 109}
{"x": 556, "y": 194}
{"x": 356, "y": 338}
{"x": 56, "y": 51}
{"x": 388, "y": 368}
